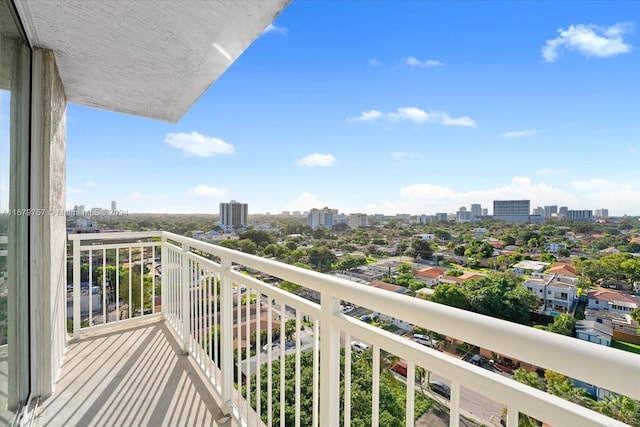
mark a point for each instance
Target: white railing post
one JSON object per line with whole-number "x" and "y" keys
{"x": 226, "y": 336}
{"x": 186, "y": 303}
{"x": 329, "y": 362}
{"x": 454, "y": 404}
{"x": 164, "y": 273}
{"x": 76, "y": 289}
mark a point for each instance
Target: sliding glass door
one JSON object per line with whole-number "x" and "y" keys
{"x": 15, "y": 69}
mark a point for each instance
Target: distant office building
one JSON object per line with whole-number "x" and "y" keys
{"x": 579, "y": 215}
{"x": 286, "y": 213}
{"x": 425, "y": 219}
{"x": 442, "y": 216}
{"x": 321, "y": 217}
{"x": 358, "y": 220}
{"x": 113, "y": 205}
{"x": 233, "y": 215}
{"x": 539, "y": 211}
{"x": 562, "y": 212}
{"x": 601, "y": 213}
{"x": 463, "y": 215}
{"x": 550, "y": 211}
{"x": 485, "y": 211}
{"x": 340, "y": 219}
{"x": 476, "y": 210}
{"x": 511, "y": 210}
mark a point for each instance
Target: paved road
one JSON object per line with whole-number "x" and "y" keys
{"x": 475, "y": 404}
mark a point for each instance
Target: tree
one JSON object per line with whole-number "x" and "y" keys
{"x": 392, "y": 398}
{"x": 529, "y": 378}
{"x": 422, "y": 248}
{"x": 247, "y": 246}
{"x": 449, "y": 294}
{"x": 260, "y": 237}
{"x": 563, "y": 324}
{"x": 635, "y": 314}
{"x": 290, "y": 287}
{"x": 622, "y": 408}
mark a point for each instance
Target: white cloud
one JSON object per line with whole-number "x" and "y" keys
{"x": 82, "y": 188}
{"x": 458, "y": 121}
{"x": 427, "y": 63}
{"x": 415, "y": 115}
{"x": 546, "y": 172}
{"x": 366, "y": 116}
{"x": 596, "y": 184}
{"x": 271, "y": 28}
{"x": 374, "y": 62}
{"x": 304, "y": 202}
{"x": 589, "y": 40}
{"x": 316, "y": 160}
{"x": 198, "y": 145}
{"x": 206, "y": 191}
{"x": 412, "y": 114}
{"x": 518, "y": 134}
{"x": 398, "y": 154}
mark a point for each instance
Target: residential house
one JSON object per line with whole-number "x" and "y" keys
{"x": 595, "y": 332}
{"x": 613, "y": 308}
{"x": 431, "y": 276}
{"x": 555, "y": 292}
{"x": 562, "y": 269}
{"x": 395, "y": 289}
{"x": 554, "y": 247}
{"x": 530, "y": 267}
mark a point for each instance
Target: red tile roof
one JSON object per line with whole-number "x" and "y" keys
{"x": 563, "y": 269}
{"x": 388, "y": 287}
{"x": 430, "y": 272}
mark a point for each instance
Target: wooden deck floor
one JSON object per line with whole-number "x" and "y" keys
{"x": 135, "y": 376}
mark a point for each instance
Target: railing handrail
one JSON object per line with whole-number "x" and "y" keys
{"x": 606, "y": 367}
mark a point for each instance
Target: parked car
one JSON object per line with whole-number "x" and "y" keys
{"x": 424, "y": 340}
{"x": 359, "y": 346}
{"x": 477, "y": 360}
{"x": 440, "y": 388}
{"x": 366, "y": 318}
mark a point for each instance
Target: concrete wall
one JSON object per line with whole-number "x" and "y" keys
{"x": 48, "y": 192}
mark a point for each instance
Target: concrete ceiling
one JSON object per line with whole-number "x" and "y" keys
{"x": 151, "y": 58}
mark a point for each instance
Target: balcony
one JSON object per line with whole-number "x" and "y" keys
{"x": 193, "y": 352}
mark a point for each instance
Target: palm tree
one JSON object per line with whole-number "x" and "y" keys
{"x": 620, "y": 407}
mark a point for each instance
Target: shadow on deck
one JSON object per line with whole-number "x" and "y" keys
{"x": 135, "y": 376}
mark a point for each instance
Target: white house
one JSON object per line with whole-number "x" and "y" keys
{"x": 558, "y": 293}
{"x": 529, "y": 267}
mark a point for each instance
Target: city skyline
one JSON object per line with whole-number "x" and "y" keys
{"x": 401, "y": 113}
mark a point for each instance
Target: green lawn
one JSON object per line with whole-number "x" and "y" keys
{"x": 626, "y": 346}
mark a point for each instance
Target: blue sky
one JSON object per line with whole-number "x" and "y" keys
{"x": 391, "y": 107}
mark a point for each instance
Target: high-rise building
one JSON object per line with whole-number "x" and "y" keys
{"x": 463, "y": 215}
{"x": 233, "y": 215}
{"x": 485, "y": 211}
{"x": 584, "y": 215}
{"x": 601, "y": 213}
{"x": 511, "y": 210}
{"x": 321, "y": 217}
{"x": 358, "y": 220}
{"x": 442, "y": 216}
{"x": 550, "y": 211}
{"x": 539, "y": 211}
{"x": 113, "y": 205}
{"x": 476, "y": 210}
{"x": 562, "y": 212}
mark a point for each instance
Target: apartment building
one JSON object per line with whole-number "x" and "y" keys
{"x": 233, "y": 215}
{"x": 512, "y": 210}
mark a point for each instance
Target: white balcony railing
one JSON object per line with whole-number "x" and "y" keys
{"x": 201, "y": 292}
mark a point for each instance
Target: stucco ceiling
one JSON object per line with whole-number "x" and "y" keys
{"x": 151, "y": 58}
